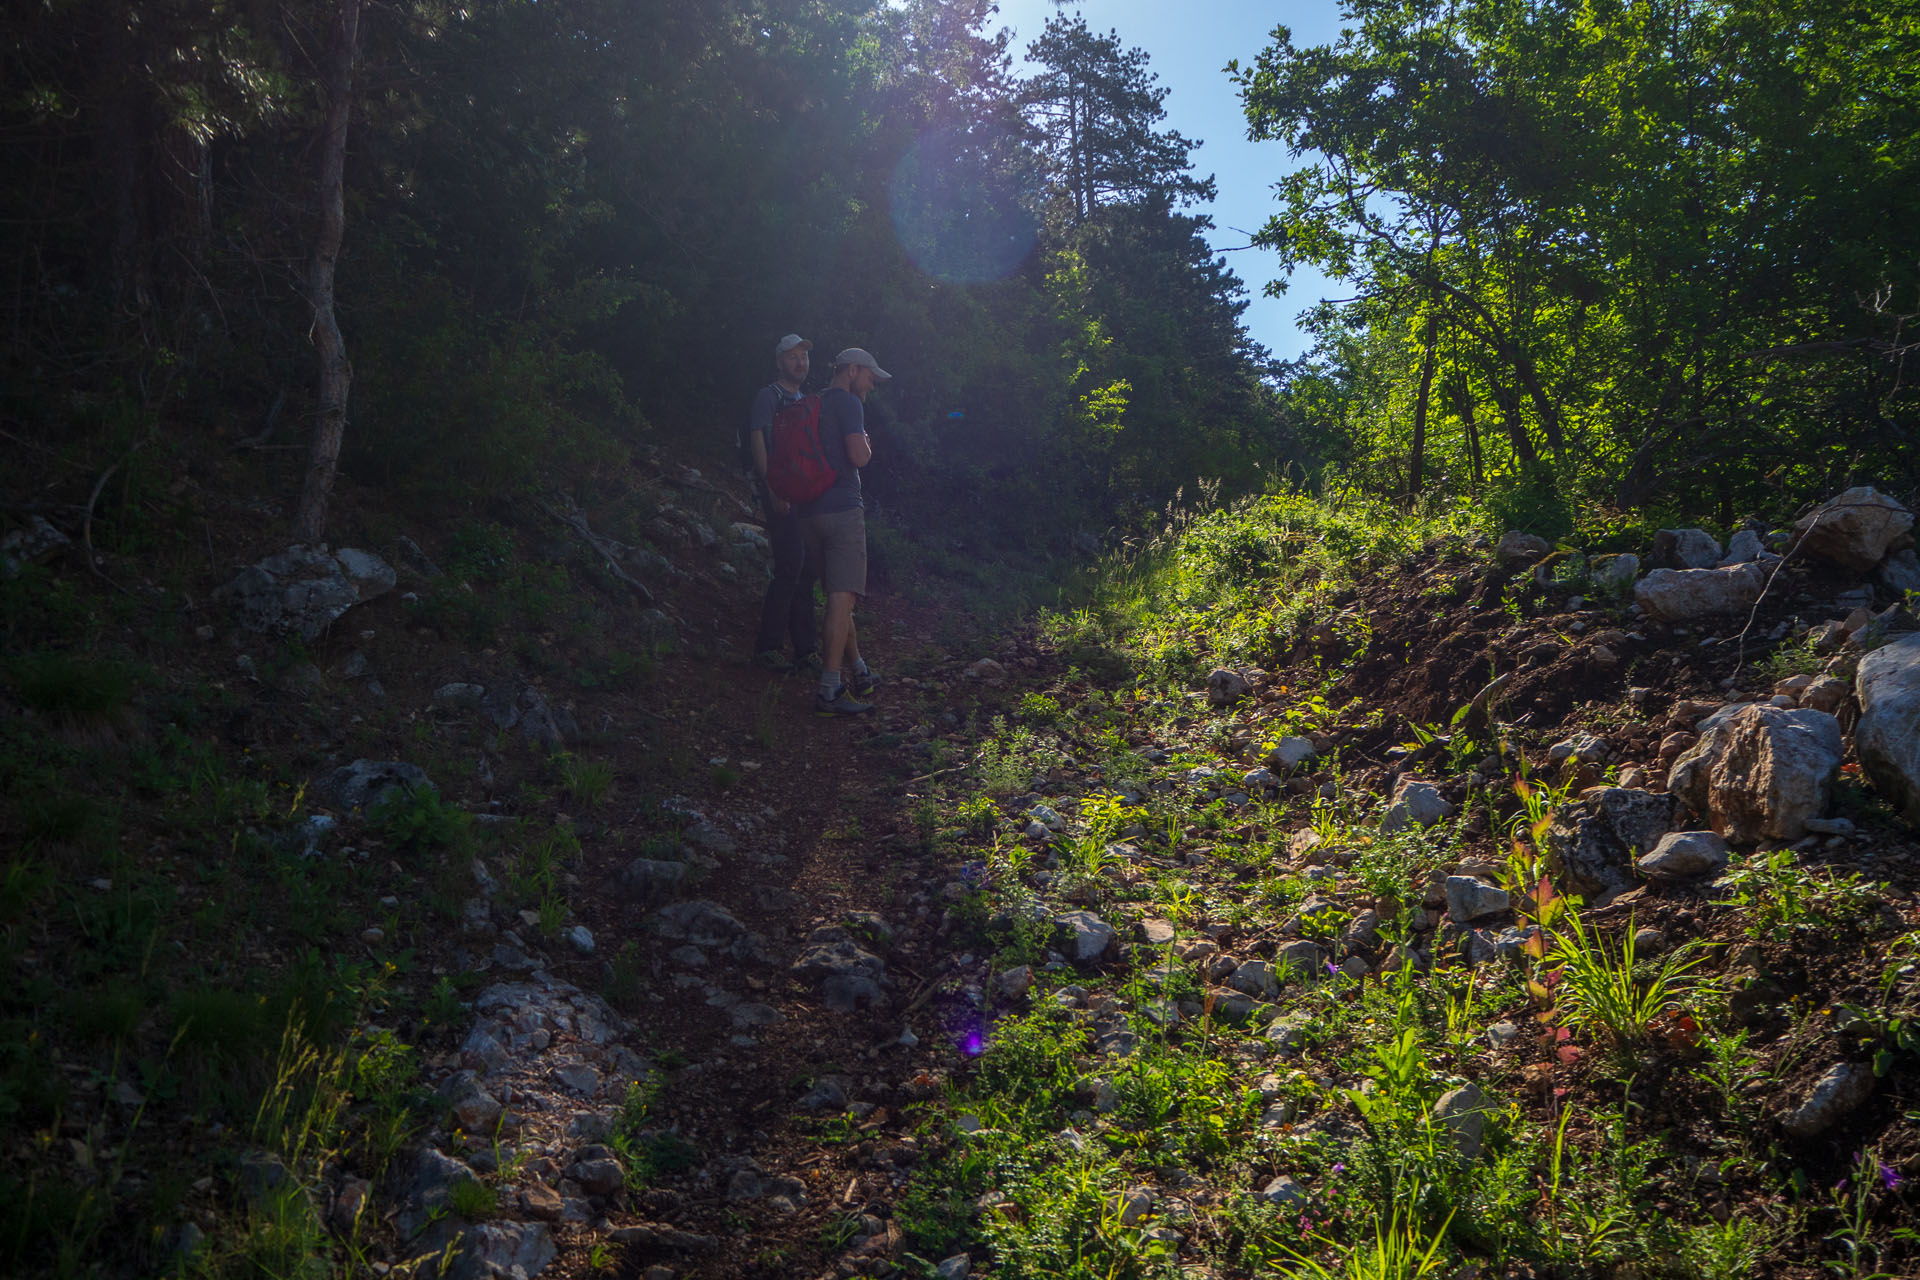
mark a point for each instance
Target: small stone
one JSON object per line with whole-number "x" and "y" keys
{"x": 599, "y": 1177}
{"x": 1463, "y": 1112}
{"x": 1414, "y": 803}
{"x": 1090, "y": 934}
{"x": 1290, "y": 753}
{"x": 958, "y": 1267}
{"x": 1135, "y": 1204}
{"x": 582, "y": 939}
{"x": 1226, "y": 686}
{"x": 1684, "y": 855}
{"x": 1469, "y": 899}
{"x": 1156, "y": 933}
{"x": 1841, "y": 1090}
{"x": 1517, "y": 548}
{"x": 1016, "y": 982}
{"x": 1285, "y": 1193}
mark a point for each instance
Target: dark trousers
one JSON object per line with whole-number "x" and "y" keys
{"x": 787, "y": 613}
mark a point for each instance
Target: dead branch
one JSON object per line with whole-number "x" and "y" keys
{"x": 571, "y": 516}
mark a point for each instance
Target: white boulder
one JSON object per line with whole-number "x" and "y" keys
{"x": 1760, "y": 772}
{"x": 1685, "y": 549}
{"x": 1854, "y": 529}
{"x": 1888, "y": 734}
{"x": 1675, "y": 595}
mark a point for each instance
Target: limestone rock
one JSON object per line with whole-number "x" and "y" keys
{"x": 1887, "y": 736}
{"x": 703, "y": 923}
{"x": 1290, "y": 753}
{"x": 472, "y": 1106}
{"x": 38, "y": 540}
{"x": 1414, "y": 803}
{"x": 1303, "y": 957}
{"x": 1469, "y": 899}
{"x": 1900, "y": 571}
{"x": 1842, "y": 1089}
{"x": 1825, "y": 693}
{"x": 1516, "y": 548}
{"x": 1090, "y": 936}
{"x": 365, "y": 783}
{"x": 491, "y": 1250}
{"x": 1685, "y": 549}
{"x": 1675, "y": 595}
{"x": 1226, "y": 686}
{"x": 1256, "y": 978}
{"x": 1463, "y": 1112}
{"x": 1616, "y": 573}
{"x": 1743, "y": 547}
{"x": 1285, "y": 1193}
{"x": 1684, "y": 855}
{"x": 301, "y": 590}
{"x": 1852, "y": 530}
{"x": 847, "y": 974}
{"x": 1760, "y": 772}
{"x": 1592, "y": 843}
{"x": 646, "y": 878}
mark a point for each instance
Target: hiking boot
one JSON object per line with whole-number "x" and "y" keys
{"x": 863, "y": 685}
{"x": 809, "y": 661}
{"x": 771, "y": 659}
{"x": 841, "y": 704}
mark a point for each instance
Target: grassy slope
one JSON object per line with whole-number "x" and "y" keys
{"x": 1631, "y": 1099}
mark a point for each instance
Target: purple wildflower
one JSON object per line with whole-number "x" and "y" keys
{"x": 1339, "y": 1169}
{"x": 1890, "y": 1177}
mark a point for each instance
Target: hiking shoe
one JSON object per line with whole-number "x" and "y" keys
{"x": 863, "y": 685}
{"x": 841, "y": 704}
{"x": 809, "y": 661}
{"x": 771, "y": 659}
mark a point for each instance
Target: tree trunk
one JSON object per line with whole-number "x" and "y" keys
{"x": 1473, "y": 442}
{"x": 1414, "y": 476}
{"x": 336, "y": 375}
{"x": 1515, "y": 355}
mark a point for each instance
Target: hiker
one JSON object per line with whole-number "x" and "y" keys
{"x": 787, "y": 612}
{"x": 834, "y": 526}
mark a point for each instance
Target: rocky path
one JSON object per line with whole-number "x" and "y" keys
{"x": 804, "y": 981}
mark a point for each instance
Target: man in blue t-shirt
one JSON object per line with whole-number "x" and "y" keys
{"x": 834, "y": 528}
{"x": 787, "y": 611}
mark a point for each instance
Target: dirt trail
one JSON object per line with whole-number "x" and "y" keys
{"x": 815, "y": 832}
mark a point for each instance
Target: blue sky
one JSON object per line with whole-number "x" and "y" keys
{"x": 1188, "y": 45}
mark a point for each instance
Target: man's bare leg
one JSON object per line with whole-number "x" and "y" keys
{"x": 841, "y": 646}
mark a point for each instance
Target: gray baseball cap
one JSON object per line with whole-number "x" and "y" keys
{"x": 862, "y": 357}
{"x": 789, "y": 342}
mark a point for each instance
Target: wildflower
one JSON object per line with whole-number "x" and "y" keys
{"x": 1890, "y": 1177}
{"x": 1339, "y": 1169}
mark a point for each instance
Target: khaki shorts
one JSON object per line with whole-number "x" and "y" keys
{"x": 837, "y": 546}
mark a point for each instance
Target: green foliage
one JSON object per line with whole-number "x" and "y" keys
{"x": 416, "y": 819}
{"x": 1781, "y": 896}
{"x": 1607, "y": 990}
{"x": 73, "y": 687}
{"x": 1565, "y": 183}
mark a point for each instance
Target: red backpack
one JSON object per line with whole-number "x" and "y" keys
{"x": 797, "y": 467}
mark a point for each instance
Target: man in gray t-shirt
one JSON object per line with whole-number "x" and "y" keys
{"x": 834, "y": 527}
{"x": 787, "y": 612}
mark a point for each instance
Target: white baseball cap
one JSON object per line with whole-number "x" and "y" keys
{"x": 862, "y": 357}
{"x": 789, "y": 342}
